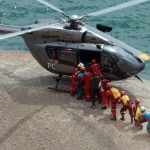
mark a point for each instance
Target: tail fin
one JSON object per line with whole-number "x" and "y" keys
{"x": 9, "y": 29}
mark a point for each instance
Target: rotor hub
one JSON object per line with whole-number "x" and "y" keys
{"x": 74, "y": 18}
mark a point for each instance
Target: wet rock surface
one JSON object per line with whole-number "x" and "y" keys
{"x": 33, "y": 117}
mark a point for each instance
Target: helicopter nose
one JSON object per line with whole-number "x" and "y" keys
{"x": 134, "y": 66}
{"x": 141, "y": 64}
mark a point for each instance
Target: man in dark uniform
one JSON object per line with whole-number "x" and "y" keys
{"x": 95, "y": 89}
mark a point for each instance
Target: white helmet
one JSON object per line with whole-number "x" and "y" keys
{"x": 80, "y": 65}
{"x": 142, "y": 108}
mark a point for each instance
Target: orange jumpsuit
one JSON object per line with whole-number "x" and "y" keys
{"x": 114, "y": 100}
{"x": 95, "y": 68}
{"x": 73, "y": 83}
{"x": 103, "y": 92}
{"x": 127, "y": 105}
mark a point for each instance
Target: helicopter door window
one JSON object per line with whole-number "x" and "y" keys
{"x": 67, "y": 56}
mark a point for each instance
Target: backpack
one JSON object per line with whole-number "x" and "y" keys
{"x": 115, "y": 92}
{"x": 78, "y": 76}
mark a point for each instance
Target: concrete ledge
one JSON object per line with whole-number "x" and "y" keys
{"x": 33, "y": 117}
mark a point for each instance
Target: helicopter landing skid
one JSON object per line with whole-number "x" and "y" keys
{"x": 56, "y": 85}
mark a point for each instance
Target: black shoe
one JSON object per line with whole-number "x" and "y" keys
{"x": 104, "y": 107}
{"x": 72, "y": 94}
{"x": 79, "y": 97}
{"x": 93, "y": 106}
{"x": 113, "y": 118}
{"x": 122, "y": 119}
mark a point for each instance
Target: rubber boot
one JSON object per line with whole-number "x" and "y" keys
{"x": 113, "y": 118}
{"x": 131, "y": 119}
{"x": 104, "y": 107}
{"x": 122, "y": 117}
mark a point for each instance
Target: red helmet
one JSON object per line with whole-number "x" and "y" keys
{"x": 108, "y": 85}
{"x": 137, "y": 101}
{"x": 122, "y": 92}
{"x": 93, "y": 61}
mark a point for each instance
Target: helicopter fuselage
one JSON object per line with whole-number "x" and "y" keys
{"x": 59, "y": 49}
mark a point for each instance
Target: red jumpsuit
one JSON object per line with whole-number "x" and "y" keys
{"x": 95, "y": 68}
{"x": 127, "y": 105}
{"x": 103, "y": 92}
{"x": 114, "y": 102}
{"x": 87, "y": 81}
{"x": 73, "y": 83}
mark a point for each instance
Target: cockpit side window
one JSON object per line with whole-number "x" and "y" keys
{"x": 108, "y": 66}
{"x": 52, "y": 52}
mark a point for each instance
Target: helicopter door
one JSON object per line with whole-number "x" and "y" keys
{"x": 109, "y": 67}
{"x": 65, "y": 58}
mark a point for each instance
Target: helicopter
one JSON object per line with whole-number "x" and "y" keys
{"x": 59, "y": 45}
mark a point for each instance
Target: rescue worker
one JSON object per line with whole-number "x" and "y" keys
{"x": 127, "y": 105}
{"x": 137, "y": 112}
{"x": 87, "y": 81}
{"x": 73, "y": 83}
{"x": 114, "y": 96}
{"x": 95, "y": 68}
{"x": 103, "y": 93}
{"x": 79, "y": 79}
{"x": 145, "y": 117}
{"x": 95, "y": 89}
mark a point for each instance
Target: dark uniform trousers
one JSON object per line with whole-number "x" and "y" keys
{"x": 95, "y": 90}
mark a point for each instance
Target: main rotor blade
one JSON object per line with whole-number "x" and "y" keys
{"x": 9, "y": 35}
{"x": 52, "y": 6}
{"x": 121, "y": 44}
{"x": 117, "y": 7}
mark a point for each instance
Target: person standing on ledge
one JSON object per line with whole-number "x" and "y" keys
{"x": 73, "y": 83}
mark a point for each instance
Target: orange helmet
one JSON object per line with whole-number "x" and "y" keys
{"x": 108, "y": 85}
{"x": 93, "y": 61}
{"x": 122, "y": 92}
{"x": 137, "y": 101}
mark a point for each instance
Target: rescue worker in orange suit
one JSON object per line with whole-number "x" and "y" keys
{"x": 95, "y": 68}
{"x": 127, "y": 105}
{"x": 95, "y": 90}
{"x": 73, "y": 83}
{"x": 87, "y": 81}
{"x": 103, "y": 93}
{"x": 114, "y": 96}
{"x": 137, "y": 112}
{"x": 80, "y": 81}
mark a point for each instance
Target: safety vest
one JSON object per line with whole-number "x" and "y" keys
{"x": 137, "y": 113}
{"x": 125, "y": 100}
{"x": 115, "y": 92}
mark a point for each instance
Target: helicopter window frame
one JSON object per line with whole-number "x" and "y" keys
{"x": 63, "y": 55}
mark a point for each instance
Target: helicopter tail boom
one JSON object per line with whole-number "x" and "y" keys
{"x": 8, "y": 29}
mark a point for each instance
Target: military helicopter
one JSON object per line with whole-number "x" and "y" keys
{"x": 59, "y": 45}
